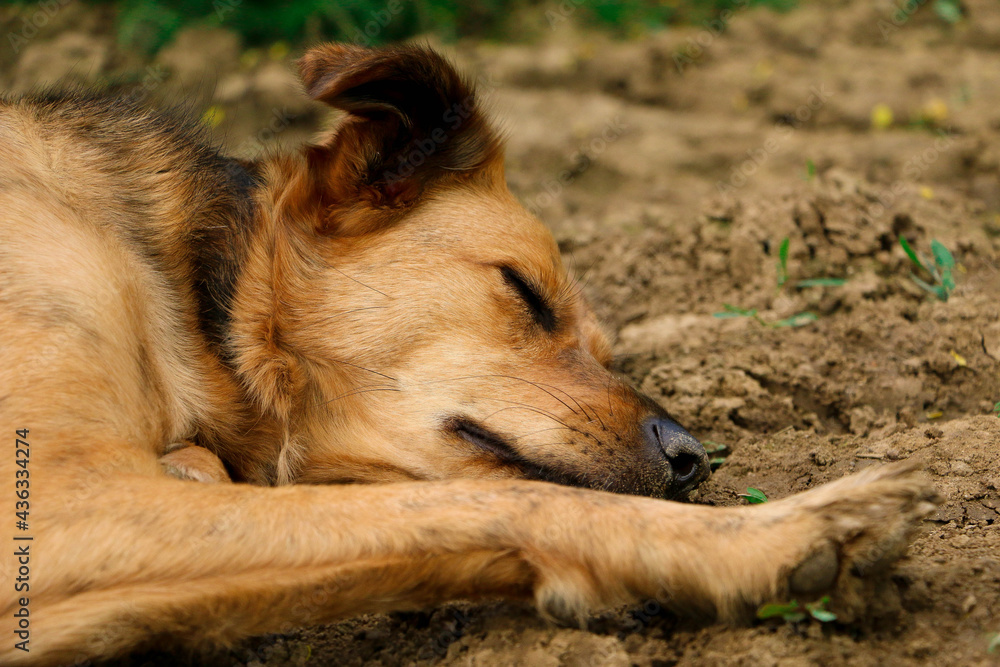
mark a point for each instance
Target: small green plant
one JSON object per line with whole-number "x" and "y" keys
{"x": 793, "y": 612}
{"x": 810, "y": 170}
{"x": 754, "y": 496}
{"x": 720, "y": 450}
{"x": 821, "y": 282}
{"x": 941, "y": 270}
{"x": 801, "y": 284}
{"x": 797, "y": 320}
{"x": 996, "y": 408}
{"x": 948, "y": 11}
{"x": 783, "y": 262}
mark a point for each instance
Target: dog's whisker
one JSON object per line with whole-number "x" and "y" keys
{"x": 524, "y": 406}
{"x": 568, "y": 395}
{"x": 611, "y": 409}
{"x": 362, "y": 368}
{"x": 538, "y": 385}
{"x": 362, "y": 390}
{"x": 359, "y": 282}
{"x": 543, "y": 430}
{"x": 561, "y": 423}
{"x": 596, "y": 415}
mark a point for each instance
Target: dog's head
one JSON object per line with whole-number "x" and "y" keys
{"x": 427, "y": 324}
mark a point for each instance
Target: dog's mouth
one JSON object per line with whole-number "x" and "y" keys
{"x": 500, "y": 448}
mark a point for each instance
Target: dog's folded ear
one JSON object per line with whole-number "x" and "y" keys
{"x": 411, "y": 119}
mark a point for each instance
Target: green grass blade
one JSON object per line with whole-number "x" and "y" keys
{"x": 783, "y": 262}
{"x": 936, "y": 290}
{"x": 911, "y": 253}
{"x": 735, "y": 311}
{"x": 777, "y": 609}
{"x": 821, "y": 282}
{"x": 797, "y": 320}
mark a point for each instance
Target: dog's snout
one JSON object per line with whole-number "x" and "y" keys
{"x": 685, "y": 455}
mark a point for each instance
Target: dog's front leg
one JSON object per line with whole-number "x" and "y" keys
{"x": 167, "y": 560}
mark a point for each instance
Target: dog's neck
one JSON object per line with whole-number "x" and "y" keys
{"x": 249, "y": 274}
{"x": 222, "y": 243}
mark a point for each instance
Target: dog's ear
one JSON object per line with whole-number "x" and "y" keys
{"x": 411, "y": 119}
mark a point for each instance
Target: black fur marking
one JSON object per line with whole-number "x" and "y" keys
{"x": 499, "y": 447}
{"x": 155, "y": 154}
{"x": 219, "y": 252}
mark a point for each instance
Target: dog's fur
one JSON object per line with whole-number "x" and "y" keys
{"x": 375, "y": 309}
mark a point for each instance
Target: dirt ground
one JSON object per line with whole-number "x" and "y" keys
{"x": 670, "y": 168}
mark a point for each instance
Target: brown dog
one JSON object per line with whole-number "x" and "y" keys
{"x": 376, "y": 309}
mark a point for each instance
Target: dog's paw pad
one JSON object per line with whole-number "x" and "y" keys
{"x": 817, "y": 573}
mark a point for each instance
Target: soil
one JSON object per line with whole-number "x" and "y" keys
{"x": 670, "y": 168}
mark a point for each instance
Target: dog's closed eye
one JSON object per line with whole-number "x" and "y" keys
{"x": 541, "y": 311}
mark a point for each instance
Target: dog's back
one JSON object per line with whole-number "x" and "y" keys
{"x": 119, "y": 230}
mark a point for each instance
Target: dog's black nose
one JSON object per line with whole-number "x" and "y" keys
{"x": 686, "y": 456}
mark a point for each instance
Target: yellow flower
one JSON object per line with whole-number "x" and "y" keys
{"x": 881, "y": 116}
{"x": 935, "y": 111}
{"x": 278, "y": 51}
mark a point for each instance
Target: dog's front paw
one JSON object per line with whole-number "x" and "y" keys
{"x": 853, "y": 528}
{"x": 194, "y": 463}
{"x": 726, "y": 562}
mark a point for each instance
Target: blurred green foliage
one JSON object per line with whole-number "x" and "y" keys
{"x": 148, "y": 24}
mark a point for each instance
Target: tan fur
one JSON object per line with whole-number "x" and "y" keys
{"x": 338, "y": 316}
